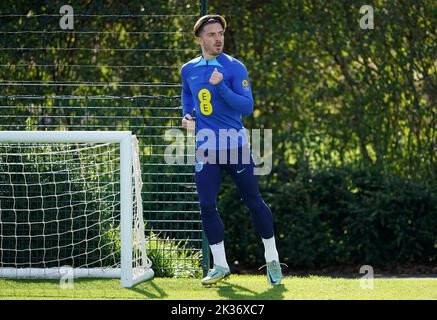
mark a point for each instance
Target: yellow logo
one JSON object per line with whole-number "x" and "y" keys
{"x": 205, "y": 102}
{"x": 245, "y": 83}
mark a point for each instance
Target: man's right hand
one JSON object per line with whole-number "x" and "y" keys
{"x": 188, "y": 122}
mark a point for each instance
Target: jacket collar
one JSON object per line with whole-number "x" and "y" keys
{"x": 213, "y": 62}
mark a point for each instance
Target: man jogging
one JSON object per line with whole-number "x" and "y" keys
{"x": 216, "y": 87}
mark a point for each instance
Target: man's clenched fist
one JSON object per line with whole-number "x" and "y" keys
{"x": 188, "y": 122}
{"x": 216, "y": 77}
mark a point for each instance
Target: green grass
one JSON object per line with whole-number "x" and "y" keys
{"x": 237, "y": 287}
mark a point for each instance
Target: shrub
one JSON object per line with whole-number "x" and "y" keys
{"x": 338, "y": 216}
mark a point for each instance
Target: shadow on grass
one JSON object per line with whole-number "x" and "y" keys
{"x": 108, "y": 288}
{"x": 237, "y": 292}
{"x": 146, "y": 288}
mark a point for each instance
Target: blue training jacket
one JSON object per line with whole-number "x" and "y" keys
{"x": 218, "y": 106}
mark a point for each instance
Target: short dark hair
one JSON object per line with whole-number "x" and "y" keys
{"x": 208, "y": 19}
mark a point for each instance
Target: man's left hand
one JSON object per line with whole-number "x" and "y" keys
{"x": 216, "y": 77}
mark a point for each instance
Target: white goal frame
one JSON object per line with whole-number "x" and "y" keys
{"x": 124, "y": 139}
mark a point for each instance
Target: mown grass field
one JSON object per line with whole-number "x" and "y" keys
{"x": 237, "y": 287}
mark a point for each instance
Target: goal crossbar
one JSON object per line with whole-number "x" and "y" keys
{"x": 64, "y": 136}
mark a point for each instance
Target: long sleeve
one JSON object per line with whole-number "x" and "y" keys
{"x": 240, "y": 96}
{"x": 187, "y": 97}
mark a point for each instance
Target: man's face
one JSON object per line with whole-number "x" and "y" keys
{"x": 212, "y": 39}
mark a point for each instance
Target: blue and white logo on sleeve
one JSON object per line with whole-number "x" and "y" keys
{"x": 199, "y": 166}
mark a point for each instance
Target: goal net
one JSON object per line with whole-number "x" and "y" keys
{"x": 71, "y": 200}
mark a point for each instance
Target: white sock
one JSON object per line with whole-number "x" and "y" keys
{"x": 218, "y": 254}
{"x": 270, "y": 252}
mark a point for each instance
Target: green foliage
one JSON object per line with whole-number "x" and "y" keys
{"x": 353, "y": 111}
{"x": 339, "y": 216}
{"x": 353, "y": 114}
{"x": 335, "y": 94}
{"x": 172, "y": 258}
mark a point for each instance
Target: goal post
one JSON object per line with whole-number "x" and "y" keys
{"x": 71, "y": 198}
